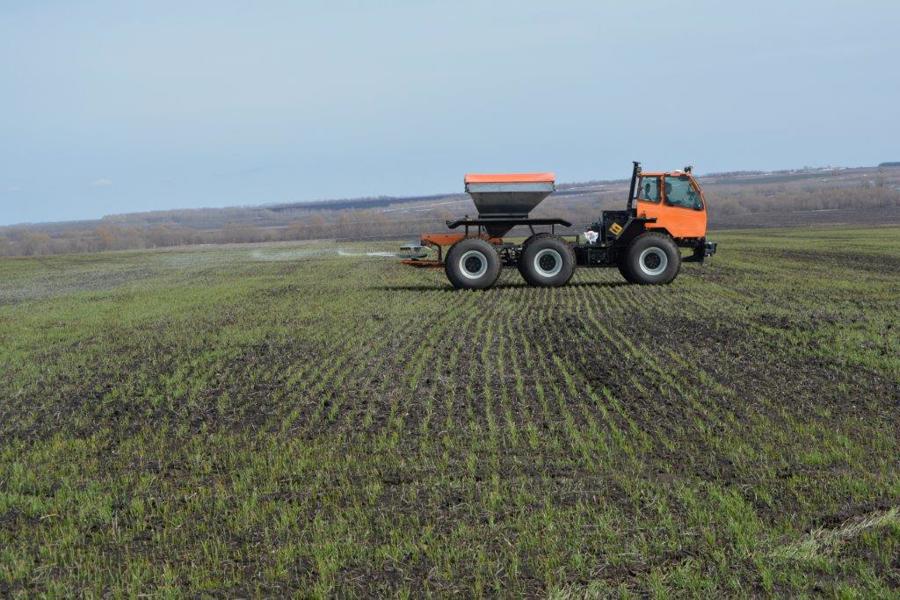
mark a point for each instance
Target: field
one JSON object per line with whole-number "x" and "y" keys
{"x": 290, "y": 419}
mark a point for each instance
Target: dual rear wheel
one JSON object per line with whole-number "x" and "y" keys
{"x": 545, "y": 260}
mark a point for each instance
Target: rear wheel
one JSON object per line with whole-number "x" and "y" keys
{"x": 651, "y": 258}
{"x": 546, "y": 261}
{"x": 472, "y": 263}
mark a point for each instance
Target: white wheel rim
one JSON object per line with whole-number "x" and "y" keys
{"x": 548, "y": 253}
{"x": 653, "y": 255}
{"x": 468, "y": 258}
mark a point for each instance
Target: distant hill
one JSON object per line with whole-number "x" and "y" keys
{"x": 736, "y": 199}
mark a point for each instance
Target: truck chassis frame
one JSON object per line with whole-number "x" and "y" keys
{"x": 603, "y": 253}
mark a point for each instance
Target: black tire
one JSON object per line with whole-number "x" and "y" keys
{"x": 651, "y": 259}
{"x": 472, "y": 263}
{"x": 623, "y": 271}
{"x": 536, "y": 236}
{"x": 546, "y": 261}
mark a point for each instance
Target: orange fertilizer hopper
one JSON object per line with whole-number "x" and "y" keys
{"x": 508, "y": 195}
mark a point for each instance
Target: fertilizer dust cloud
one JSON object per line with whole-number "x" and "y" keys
{"x": 316, "y": 253}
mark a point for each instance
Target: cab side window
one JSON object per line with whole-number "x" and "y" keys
{"x": 680, "y": 192}
{"x": 648, "y": 190}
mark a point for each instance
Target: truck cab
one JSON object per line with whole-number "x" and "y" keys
{"x": 665, "y": 211}
{"x": 675, "y": 200}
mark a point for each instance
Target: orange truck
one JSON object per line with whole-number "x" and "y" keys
{"x": 666, "y": 211}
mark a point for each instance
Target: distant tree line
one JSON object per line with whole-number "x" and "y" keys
{"x": 864, "y": 189}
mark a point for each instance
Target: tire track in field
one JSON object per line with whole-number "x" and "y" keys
{"x": 419, "y": 390}
{"x": 755, "y": 424}
{"x": 319, "y": 389}
{"x": 366, "y": 414}
{"x": 359, "y": 398}
{"x": 385, "y": 366}
{"x": 542, "y": 412}
{"x": 709, "y": 418}
{"x": 567, "y": 391}
{"x": 407, "y": 343}
{"x": 624, "y": 427}
{"x": 679, "y": 379}
{"x": 661, "y": 383}
{"x": 472, "y": 411}
{"x": 376, "y": 377}
{"x": 519, "y": 400}
{"x": 567, "y": 443}
{"x": 516, "y": 380}
{"x": 532, "y": 390}
{"x": 481, "y": 303}
{"x": 478, "y": 374}
{"x": 556, "y": 406}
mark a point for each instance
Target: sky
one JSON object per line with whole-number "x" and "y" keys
{"x": 111, "y": 107}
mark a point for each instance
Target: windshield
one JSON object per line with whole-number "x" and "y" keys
{"x": 680, "y": 192}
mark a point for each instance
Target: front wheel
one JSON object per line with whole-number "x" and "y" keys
{"x": 472, "y": 263}
{"x": 651, "y": 258}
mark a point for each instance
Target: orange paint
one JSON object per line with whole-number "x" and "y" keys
{"x": 448, "y": 239}
{"x": 510, "y": 177}
{"x": 422, "y": 263}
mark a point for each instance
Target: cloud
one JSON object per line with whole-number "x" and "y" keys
{"x": 102, "y": 182}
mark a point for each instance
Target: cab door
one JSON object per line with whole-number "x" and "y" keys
{"x": 649, "y": 196}
{"x": 682, "y": 211}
